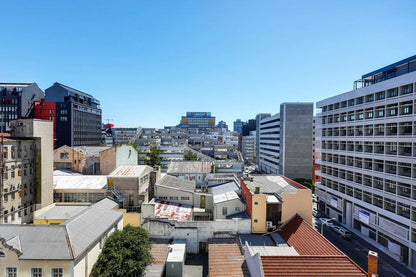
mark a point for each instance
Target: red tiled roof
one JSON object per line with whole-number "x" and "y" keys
{"x": 225, "y": 259}
{"x": 306, "y": 240}
{"x": 310, "y": 266}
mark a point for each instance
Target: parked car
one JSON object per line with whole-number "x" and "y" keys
{"x": 316, "y": 213}
{"x": 341, "y": 231}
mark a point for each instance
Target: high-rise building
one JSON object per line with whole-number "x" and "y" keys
{"x": 368, "y": 163}
{"x": 238, "y": 126}
{"x": 222, "y": 125}
{"x": 248, "y": 146}
{"x": 285, "y": 141}
{"x": 259, "y": 117}
{"x": 16, "y": 101}
{"x": 197, "y": 121}
{"x": 78, "y": 116}
{"x": 248, "y": 126}
{"x": 26, "y": 164}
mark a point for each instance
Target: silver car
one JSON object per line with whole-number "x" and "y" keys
{"x": 342, "y": 231}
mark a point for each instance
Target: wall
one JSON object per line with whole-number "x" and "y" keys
{"x": 245, "y": 192}
{"x": 161, "y": 192}
{"x": 24, "y": 266}
{"x": 108, "y": 160}
{"x": 259, "y": 213}
{"x": 299, "y": 202}
{"x": 131, "y": 218}
{"x": 296, "y": 154}
{"x": 253, "y": 261}
{"x": 74, "y": 162}
{"x": 231, "y": 208}
{"x": 196, "y": 231}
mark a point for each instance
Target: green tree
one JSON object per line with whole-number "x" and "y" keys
{"x": 125, "y": 253}
{"x": 190, "y": 156}
{"x": 153, "y": 157}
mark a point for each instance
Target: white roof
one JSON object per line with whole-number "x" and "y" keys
{"x": 274, "y": 250}
{"x": 225, "y": 192}
{"x": 177, "y": 253}
{"x": 129, "y": 171}
{"x": 80, "y": 182}
{"x": 65, "y": 172}
{"x": 272, "y": 199}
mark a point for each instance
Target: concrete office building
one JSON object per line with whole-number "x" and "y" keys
{"x": 248, "y": 146}
{"x": 285, "y": 141}
{"x": 78, "y": 116}
{"x": 259, "y": 117}
{"x": 368, "y": 169}
{"x": 17, "y": 101}
{"x": 197, "y": 121}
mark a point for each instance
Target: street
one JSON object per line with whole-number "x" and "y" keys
{"x": 357, "y": 249}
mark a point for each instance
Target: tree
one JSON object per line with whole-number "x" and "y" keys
{"x": 190, "y": 156}
{"x": 125, "y": 253}
{"x": 153, "y": 156}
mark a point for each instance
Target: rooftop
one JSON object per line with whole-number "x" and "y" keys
{"x": 225, "y": 259}
{"x": 65, "y": 172}
{"x": 310, "y": 266}
{"x": 271, "y": 184}
{"x": 90, "y": 151}
{"x": 59, "y": 211}
{"x": 61, "y": 242}
{"x": 80, "y": 182}
{"x": 173, "y": 211}
{"x": 176, "y": 167}
{"x": 129, "y": 171}
{"x": 306, "y": 240}
{"x": 176, "y": 183}
{"x": 225, "y": 192}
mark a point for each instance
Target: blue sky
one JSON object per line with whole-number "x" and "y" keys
{"x": 149, "y": 62}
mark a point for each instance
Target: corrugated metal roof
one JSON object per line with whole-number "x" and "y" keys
{"x": 55, "y": 242}
{"x": 65, "y": 172}
{"x": 89, "y": 151}
{"x": 61, "y": 212}
{"x": 180, "y": 167}
{"x": 38, "y": 241}
{"x": 80, "y": 182}
{"x": 129, "y": 171}
{"x": 176, "y": 183}
{"x": 225, "y": 259}
{"x": 310, "y": 265}
{"x": 173, "y": 211}
{"x": 225, "y": 192}
{"x": 269, "y": 183}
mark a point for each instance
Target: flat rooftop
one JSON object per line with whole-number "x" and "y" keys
{"x": 173, "y": 211}
{"x": 176, "y": 183}
{"x": 60, "y": 212}
{"x": 129, "y": 171}
{"x": 83, "y": 182}
{"x": 179, "y": 167}
{"x": 271, "y": 184}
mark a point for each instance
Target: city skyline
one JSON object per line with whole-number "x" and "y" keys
{"x": 172, "y": 58}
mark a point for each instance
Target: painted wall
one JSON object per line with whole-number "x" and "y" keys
{"x": 75, "y": 160}
{"x": 233, "y": 206}
{"x": 116, "y": 156}
{"x": 253, "y": 261}
{"x": 258, "y": 217}
{"x": 299, "y": 202}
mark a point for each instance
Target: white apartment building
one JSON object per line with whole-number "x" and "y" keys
{"x": 368, "y": 161}
{"x": 248, "y": 146}
{"x": 285, "y": 141}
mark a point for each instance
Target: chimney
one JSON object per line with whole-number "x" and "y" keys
{"x": 257, "y": 190}
{"x": 372, "y": 264}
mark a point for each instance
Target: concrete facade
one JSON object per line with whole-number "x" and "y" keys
{"x": 368, "y": 168}
{"x": 285, "y": 141}
{"x": 117, "y": 156}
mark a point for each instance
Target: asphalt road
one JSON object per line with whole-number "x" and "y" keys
{"x": 357, "y": 249}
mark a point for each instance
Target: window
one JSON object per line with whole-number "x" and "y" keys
{"x": 255, "y": 220}
{"x": 173, "y": 198}
{"x": 237, "y": 209}
{"x": 224, "y": 210}
{"x": 11, "y": 271}
{"x": 2, "y": 255}
{"x": 184, "y": 197}
{"x": 256, "y": 203}
{"x": 36, "y": 272}
{"x": 57, "y": 272}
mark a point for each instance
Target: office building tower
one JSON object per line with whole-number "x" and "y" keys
{"x": 368, "y": 160}
{"x": 78, "y": 116}
{"x": 285, "y": 141}
{"x": 198, "y": 121}
{"x": 238, "y": 126}
{"x": 259, "y": 117}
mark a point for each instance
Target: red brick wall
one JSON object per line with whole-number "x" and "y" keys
{"x": 245, "y": 192}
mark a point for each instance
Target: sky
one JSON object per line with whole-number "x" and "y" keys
{"x": 149, "y": 62}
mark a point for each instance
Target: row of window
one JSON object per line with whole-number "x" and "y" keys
{"x": 174, "y": 197}
{"x": 36, "y": 272}
{"x": 394, "y": 148}
{"x": 407, "y": 128}
{"x": 375, "y": 199}
{"x": 381, "y": 95}
{"x": 403, "y": 108}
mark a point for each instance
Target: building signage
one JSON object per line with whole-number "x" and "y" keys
{"x": 334, "y": 202}
{"x": 364, "y": 216}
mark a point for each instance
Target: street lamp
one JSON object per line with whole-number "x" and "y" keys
{"x": 325, "y": 222}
